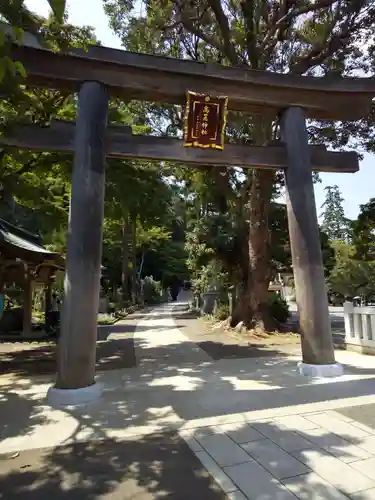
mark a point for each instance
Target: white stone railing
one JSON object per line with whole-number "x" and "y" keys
{"x": 359, "y": 325}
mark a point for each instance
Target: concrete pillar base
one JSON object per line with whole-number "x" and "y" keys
{"x": 59, "y": 398}
{"x": 321, "y": 371}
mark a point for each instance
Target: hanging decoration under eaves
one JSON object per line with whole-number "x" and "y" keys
{"x": 205, "y": 120}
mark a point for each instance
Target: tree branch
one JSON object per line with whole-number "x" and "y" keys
{"x": 223, "y": 23}
{"x": 319, "y": 55}
{"x": 188, "y": 22}
{"x": 247, "y": 8}
{"x": 199, "y": 33}
{"x": 292, "y": 14}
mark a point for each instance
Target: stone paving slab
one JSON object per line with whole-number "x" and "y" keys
{"x": 296, "y": 423}
{"x": 274, "y": 459}
{"x": 368, "y": 444}
{"x": 240, "y": 432}
{"x": 364, "y": 495}
{"x": 325, "y": 466}
{"x": 223, "y": 450}
{"x": 364, "y": 414}
{"x": 257, "y": 483}
{"x": 336, "y": 445}
{"x": 337, "y": 426}
{"x": 216, "y": 472}
{"x": 282, "y": 436}
{"x": 217, "y": 407}
{"x": 340, "y": 475}
{"x": 367, "y": 467}
{"x": 142, "y": 469}
{"x": 310, "y": 486}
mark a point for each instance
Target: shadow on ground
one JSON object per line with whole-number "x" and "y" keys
{"x": 116, "y": 346}
{"x": 220, "y": 350}
{"x": 110, "y": 355}
{"x": 365, "y": 414}
{"x": 167, "y": 389}
{"x": 161, "y": 466}
{"x": 158, "y": 466}
{"x": 114, "y": 354}
{"x": 305, "y": 461}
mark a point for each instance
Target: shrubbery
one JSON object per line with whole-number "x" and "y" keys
{"x": 278, "y": 307}
{"x": 151, "y": 290}
{"x": 222, "y": 312}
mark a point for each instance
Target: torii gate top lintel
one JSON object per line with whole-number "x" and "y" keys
{"x": 133, "y": 75}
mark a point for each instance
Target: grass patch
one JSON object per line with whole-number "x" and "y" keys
{"x": 111, "y": 319}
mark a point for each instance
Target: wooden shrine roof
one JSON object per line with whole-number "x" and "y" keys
{"x": 17, "y": 244}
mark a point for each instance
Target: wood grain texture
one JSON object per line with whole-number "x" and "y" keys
{"x": 161, "y": 79}
{"x": 311, "y": 291}
{"x": 77, "y": 345}
{"x": 121, "y": 144}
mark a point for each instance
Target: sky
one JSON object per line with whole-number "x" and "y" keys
{"x": 356, "y": 188}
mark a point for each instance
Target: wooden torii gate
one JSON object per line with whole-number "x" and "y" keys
{"x": 101, "y": 72}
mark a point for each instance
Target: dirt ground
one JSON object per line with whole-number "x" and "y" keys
{"x": 39, "y": 358}
{"x": 219, "y": 342}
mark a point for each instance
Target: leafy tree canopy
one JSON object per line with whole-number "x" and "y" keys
{"x": 350, "y": 276}
{"x": 364, "y": 231}
{"x": 334, "y": 224}
{"x": 324, "y": 37}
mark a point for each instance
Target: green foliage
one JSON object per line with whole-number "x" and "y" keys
{"x": 53, "y": 33}
{"x": 165, "y": 260}
{"x": 106, "y": 319}
{"x": 231, "y": 225}
{"x": 334, "y": 224}
{"x": 354, "y": 272}
{"x": 139, "y": 192}
{"x": 278, "y": 308}
{"x": 222, "y": 312}
{"x": 151, "y": 290}
{"x": 222, "y": 238}
{"x": 15, "y": 13}
{"x": 350, "y": 276}
{"x": 210, "y": 277}
{"x": 35, "y": 187}
{"x": 232, "y": 208}
{"x": 364, "y": 232}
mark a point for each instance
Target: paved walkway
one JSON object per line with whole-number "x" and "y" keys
{"x": 260, "y": 429}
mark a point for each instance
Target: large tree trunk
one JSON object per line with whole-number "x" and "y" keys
{"x": 125, "y": 258}
{"x": 252, "y": 306}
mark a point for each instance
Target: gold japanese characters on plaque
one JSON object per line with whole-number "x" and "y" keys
{"x": 205, "y": 120}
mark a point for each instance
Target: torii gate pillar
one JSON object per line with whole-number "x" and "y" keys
{"x": 75, "y": 382}
{"x": 311, "y": 293}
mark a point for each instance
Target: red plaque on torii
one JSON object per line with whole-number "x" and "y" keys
{"x": 205, "y": 120}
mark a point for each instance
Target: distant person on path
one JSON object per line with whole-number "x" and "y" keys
{"x": 54, "y": 313}
{"x": 174, "y": 288}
